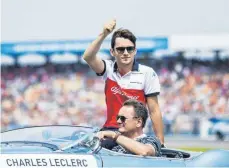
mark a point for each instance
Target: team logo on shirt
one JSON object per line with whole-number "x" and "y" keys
{"x": 136, "y": 82}
{"x": 116, "y": 90}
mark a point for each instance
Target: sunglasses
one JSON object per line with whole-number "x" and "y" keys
{"x": 123, "y": 118}
{"x": 121, "y": 50}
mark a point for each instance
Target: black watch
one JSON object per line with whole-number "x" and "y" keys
{"x": 163, "y": 146}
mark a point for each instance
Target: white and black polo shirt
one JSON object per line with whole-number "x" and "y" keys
{"x": 139, "y": 83}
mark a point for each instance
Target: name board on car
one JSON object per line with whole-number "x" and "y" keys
{"x": 47, "y": 160}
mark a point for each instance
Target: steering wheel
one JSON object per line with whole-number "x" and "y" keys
{"x": 93, "y": 143}
{"x": 88, "y": 140}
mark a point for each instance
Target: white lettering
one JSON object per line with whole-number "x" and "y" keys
{"x": 116, "y": 90}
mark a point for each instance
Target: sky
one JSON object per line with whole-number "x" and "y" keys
{"x": 28, "y": 20}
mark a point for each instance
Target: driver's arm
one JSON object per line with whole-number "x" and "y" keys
{"x": 136, "y": 147}
{"x": 130, "y": 144}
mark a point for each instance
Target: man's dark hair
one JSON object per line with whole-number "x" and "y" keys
{"x": 139, "y": 108}
{"x": 123, "y": 33}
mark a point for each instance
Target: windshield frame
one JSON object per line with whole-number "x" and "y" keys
{"x": 57, "y": 135}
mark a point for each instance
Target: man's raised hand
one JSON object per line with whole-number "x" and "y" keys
{"x": 109, "y": 27}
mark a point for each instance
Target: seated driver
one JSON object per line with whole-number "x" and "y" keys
{"x": 130, "y": 138}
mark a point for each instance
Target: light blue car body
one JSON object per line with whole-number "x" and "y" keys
{"x": 66, "y": 145}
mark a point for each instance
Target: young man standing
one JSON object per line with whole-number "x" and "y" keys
{"x": 125, "y": 78}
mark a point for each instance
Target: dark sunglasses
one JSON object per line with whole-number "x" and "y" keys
{"x": 129, "y": 49}
{"x": 123, "y": 118}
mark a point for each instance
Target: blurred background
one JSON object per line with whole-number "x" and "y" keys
{"x": 44, "y": 80}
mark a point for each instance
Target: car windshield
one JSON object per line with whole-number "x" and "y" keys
{"x": 64, "y": 137}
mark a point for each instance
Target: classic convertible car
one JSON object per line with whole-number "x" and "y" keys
{"x": 77, "y": 146}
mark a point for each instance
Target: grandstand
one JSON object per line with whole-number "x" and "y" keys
{"x": 48, "y": 83}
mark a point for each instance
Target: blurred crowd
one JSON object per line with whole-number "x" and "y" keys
{"x": 73, "y": 94}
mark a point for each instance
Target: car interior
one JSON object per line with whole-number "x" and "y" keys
{"x": 166, "y": 152}
{"x": 173, "y": 153}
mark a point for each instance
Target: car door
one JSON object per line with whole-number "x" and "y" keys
{"x": 140, "y": 161}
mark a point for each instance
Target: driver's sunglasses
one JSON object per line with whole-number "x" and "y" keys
{"x": 121, "y": 50}
{"x": 123, "y": 118}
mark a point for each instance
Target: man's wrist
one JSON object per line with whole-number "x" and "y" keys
{"x": 117, "y": 134}
{"x": 163, "y": 146}
{"x": 103, "y": 35}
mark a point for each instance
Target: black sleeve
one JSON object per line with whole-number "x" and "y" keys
{"x": 102, "y": 73}
{"x": 152, "y": 94}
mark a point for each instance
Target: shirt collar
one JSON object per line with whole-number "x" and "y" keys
{"x": 134, "y": 68}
